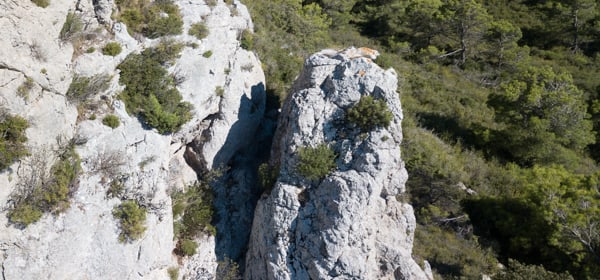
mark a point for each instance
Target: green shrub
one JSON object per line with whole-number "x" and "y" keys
{"x": 111, "y": 121}
{"x": 24, "y": 89}
{"x": 315, "y": 163}
{"x": 519, "y": 271}
{"x": 187, "y": 247}
{"x": 12, "y": 139}
{"x": 47, "y": 195}
{"x": 228, "y": 270}
{"x": 267, "y": 176}
{"x": 198, "y": 30}
{"x": 25, "y": 214}
{"x": 134, "y": 19}
{"x": 112, "y": 49}
{"x": 83, "y": 88}
{"x": 160, "y": 26}
{"x": 178, "y": 208}
{"x": 149, "y": 18}
{"x": 41, "y": 3}
{"x": 90, "y": 50}
{"x": 451, "y": 255}
{"x": 211, "y": 3}
{"x": 247, "y": 40}
{"x": 116, "y": 189}
{"x": 193, "y": 212}
{"x": 71, "y": 27}
{"x": 132, "y": 218}
{"x": 173, "y": 273}
{"x": 207, "y": 54}
{"x": 199, "y": 211}
{"x": 219, "y": 91}
{"x": 369, "y": 114}
{"x": 150, "y": 92}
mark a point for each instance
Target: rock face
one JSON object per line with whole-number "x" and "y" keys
{"x": 351, "y": 224}
{"x": 82, "y": 242}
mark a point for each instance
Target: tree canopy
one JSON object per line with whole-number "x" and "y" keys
{"x": 501, "y": 106}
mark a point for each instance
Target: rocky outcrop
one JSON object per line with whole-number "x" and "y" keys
{"x": 82, "y": 242}
{"x": 103, "y": 9}
{"x": 353, "y": 223}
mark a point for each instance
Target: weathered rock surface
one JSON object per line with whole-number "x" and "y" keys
{"x": 82, "y": 243}
{"x": 350, "y": 225}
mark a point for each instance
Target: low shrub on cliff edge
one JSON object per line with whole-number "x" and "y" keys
{"x": 49, "y": 194}
{"x": 132, "y": 218}
{"x": 267, "y": 176}
{"x": 154, "y": 20}
{"x": 24, "y": 89}
{"x": 369, "y": 114}
{"x": 73, "y": 25}
{"x": 111, "y": 121}
{"x": 247, "y": 39}
{"x": 186, "y": 247}
{"x": 192, "y": 214}
{"x": 83, "y": 88}
{"x": 41, "y": 3}
{"x": 150, "y": 91}
{"x": 112, "y": 49}
{"x": 315, "y": 163}
{"x": 198, "y": 30}
{"x": 12, "y": 139}
{"x": 193, "y": 211}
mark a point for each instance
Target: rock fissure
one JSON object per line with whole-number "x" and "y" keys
{"x": 9, "y": 82}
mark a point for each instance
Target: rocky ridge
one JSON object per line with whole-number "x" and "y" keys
{"x": 353, "y": 223}
{"x": 82, "y": 243}
{"x": 349, "y": 225}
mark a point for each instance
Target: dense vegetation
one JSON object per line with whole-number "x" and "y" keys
{"x": 41, "y": 3}
{"x": 73, "y": 25}
{"x": 192, "y": 213}
{"x": 25, "y": 88}
{"x": 83, "y": 88}
{"x": 12, "y": 139}
{"x": 150, "y": 91}
{"x": 153, "y": 19}
{"x": 314, "y": 163}
{"x": 132, "y": 218}
{"x": 111, "y": 121}
{"x": 198, "y": 30}
{"x": 112, "y": 49}
{"x": 369, "y": 114}
{"x": 44, "y": 192}
{"x": 502, "y": 112}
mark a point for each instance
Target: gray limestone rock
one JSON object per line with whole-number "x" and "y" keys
{"x": 82, "y": 242}
{"x": 351, "y": 224}
{"x": 103, "y": 10}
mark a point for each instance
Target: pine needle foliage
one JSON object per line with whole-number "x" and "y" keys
{"x": 315, "y": 163}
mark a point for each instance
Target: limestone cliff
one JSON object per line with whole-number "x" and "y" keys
{"x": 82, "y": 242}
{"x": 352, "y": 224}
